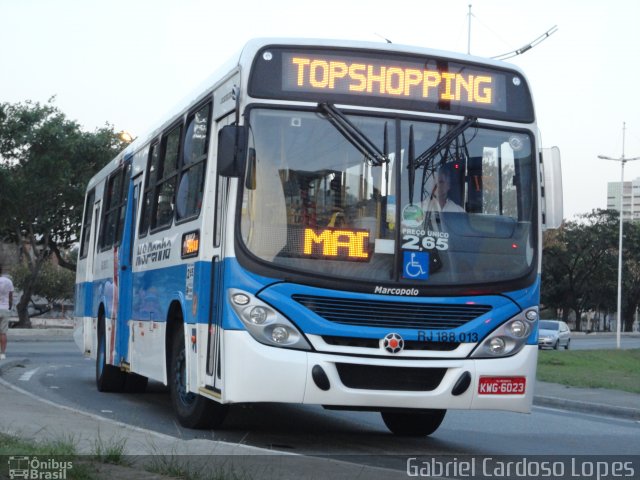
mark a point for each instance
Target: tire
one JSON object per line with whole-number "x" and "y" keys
{"x": 555, "y": 345}
{"x": 108, "y": 377}
{"x": 566, "y": 347}
{"x": 192, "y": 410}
{"x": 412, "y": 423}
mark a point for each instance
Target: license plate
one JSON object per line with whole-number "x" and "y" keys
{"x": 502, "y": 385}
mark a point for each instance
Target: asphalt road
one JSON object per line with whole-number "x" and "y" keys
{"x": 55, "y": 370}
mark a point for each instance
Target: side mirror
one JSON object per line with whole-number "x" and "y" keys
{"x": 551, "y": 188}
{"x": 232, "y": 146}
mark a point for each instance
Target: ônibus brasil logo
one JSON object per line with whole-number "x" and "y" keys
{"x": 393, "y": 343}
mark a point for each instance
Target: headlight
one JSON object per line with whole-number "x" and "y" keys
{"x": 508, "y": 338}
{"x": 264, "y": 323}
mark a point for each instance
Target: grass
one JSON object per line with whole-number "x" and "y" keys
{"x": 104, "y": 461}
{"x": 64, "y": 452}
{"x": 613, "y": 369}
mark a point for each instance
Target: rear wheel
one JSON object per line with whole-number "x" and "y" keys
{"x": 413, "y": 423}
{"x": 108, "y": 377}
{"x": 192, "y": 410}
{"x": 566, "y": 347}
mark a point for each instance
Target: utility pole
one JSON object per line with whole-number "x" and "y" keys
{"x": 622, "y": 161}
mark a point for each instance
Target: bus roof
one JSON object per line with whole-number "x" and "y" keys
{"x": 243, "y": 59}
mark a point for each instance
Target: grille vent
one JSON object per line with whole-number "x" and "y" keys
{"x": 422, "y": 316}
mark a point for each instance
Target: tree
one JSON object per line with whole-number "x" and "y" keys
{"x": 578, "y": 264}
{"x": 46, "y": 161}
{"x": 54, "y": 283}
{"x": 630, "y": 274}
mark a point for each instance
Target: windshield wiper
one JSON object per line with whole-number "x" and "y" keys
{"x": 425, "y": 157}
{"x": 355, "y": 136}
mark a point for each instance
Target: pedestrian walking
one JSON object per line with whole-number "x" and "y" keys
{"x": 6, "y": 303}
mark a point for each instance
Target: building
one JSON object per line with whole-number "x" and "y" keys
{"x": 630, "y": 194}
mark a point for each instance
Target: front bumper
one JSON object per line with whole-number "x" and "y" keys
{"x": 547, "y": 342}
{"x": 258, "y": 373}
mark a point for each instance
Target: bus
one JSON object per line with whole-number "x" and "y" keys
{"x": 347, "y": 224}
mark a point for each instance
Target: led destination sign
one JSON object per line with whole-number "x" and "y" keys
{"x": 364, "y": 76}
{"x": 390, "y": 80}
{"x": 336, "y": 244}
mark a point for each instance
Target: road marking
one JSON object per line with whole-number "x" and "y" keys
{"x": 26, "y": 376}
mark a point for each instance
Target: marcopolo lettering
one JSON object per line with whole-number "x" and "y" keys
{"x": 396, "y": 291}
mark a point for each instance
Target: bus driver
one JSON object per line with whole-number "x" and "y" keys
{"x": 440, "y": 201}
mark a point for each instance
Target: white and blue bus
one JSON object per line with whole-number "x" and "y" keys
{"x": 347, "y": 224}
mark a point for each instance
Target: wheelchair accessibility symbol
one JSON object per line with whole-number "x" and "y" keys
{"x": 415, "y": 265}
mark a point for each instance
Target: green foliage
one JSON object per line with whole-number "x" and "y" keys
{"x": 46, "y": 161}
{"x": 53, "y": 282}
{"x": 630, "y": 273}
{"x": 579, "y": 263}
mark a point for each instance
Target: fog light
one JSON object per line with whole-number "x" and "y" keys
{"x": 280, "y": 334}
{"x": 240, "y": 299}
{"x": 497, "y": 345}
{"x": 531, "y": 315}
{"x": 518, "y": 329}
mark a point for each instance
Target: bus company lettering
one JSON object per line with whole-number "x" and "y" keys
{"x": 396, "y": 291}
{"x": 151, "y": 252}
{"x": 393, "y": 80}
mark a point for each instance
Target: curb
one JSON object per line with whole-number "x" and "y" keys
{"x": 587, "y": 407}
{"x": 7, "y": 364}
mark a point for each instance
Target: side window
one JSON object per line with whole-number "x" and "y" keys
{"x": 114, "y": 207}
{"x": 86, "y": 223}
{"x": 164, "y": 192}
{"x": 150, "y": 184}
{"x": 192, "y": 164}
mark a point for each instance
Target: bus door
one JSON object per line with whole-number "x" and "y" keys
{"x": 217, "y": 288}
{"x": 125, "y": 263}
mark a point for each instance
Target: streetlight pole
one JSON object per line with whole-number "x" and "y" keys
{"x": 622, "y": 161}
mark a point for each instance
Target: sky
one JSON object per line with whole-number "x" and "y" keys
{"x": 128, "y": 62}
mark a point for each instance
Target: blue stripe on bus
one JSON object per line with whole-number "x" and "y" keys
{"x": 154, "y": 290}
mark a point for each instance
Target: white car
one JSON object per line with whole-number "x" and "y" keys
{"x": 553, "y": 334}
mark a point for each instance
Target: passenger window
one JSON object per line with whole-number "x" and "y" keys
{"x": 114, "y": 208}
{"x": 192, "y": 168}
{"x": 150, "y": 184}
{"x": 86, "y": 224}
{"x": 165, "y": 189}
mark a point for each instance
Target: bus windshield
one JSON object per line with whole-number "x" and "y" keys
{"x": 460, "y": 213}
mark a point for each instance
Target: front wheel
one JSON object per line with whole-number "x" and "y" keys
{"x": 413, "y": 423}
{"x": 192, "y": 410}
